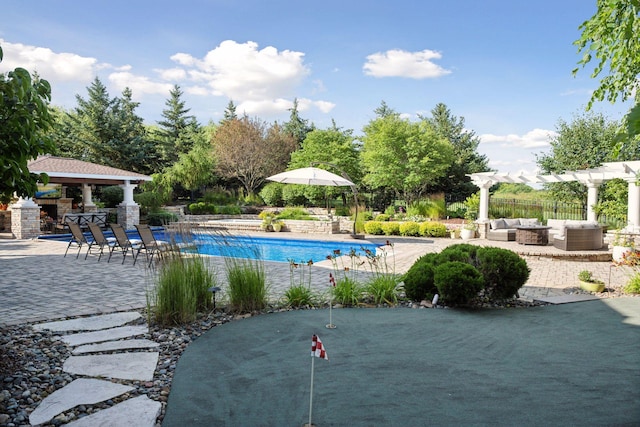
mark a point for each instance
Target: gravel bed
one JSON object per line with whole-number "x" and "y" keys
{"x": 31, "y": 363}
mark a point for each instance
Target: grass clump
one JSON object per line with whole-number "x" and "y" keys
{"x": 181, "y": 291}
{"x": 247, "y": 284}
{"x": 300, "y": 293}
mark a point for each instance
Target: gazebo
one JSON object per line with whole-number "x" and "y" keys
{"x": 592, "y": 178}
{"x": 25, "y": 213}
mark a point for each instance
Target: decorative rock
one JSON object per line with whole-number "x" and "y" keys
{"x": 126, "y": 366}
{"x": 92, "y": 323}
{"x": 140, "y": 412}
{"x": 115, "y": 345}
{"x": 104, "y": 335}
{"x": 80, "y": 391}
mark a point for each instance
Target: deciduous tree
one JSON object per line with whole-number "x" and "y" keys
{"x": 585, "y": 142}
{"x": 247, "y": 150}
{"x": 403, "y": 156}
{"x": 24, "y": 123}
{"x": 610, "y": 39}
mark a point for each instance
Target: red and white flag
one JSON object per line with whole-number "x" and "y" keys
{"x": 316, "y": 348}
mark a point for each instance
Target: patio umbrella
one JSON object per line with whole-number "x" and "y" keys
{"x": 311, "y": 176}
{"x": 317, "y": 176}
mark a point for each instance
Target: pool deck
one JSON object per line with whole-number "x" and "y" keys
{"x": 39, "y": 284}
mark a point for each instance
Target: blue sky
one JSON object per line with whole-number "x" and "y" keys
{"x": 503, "y": 65}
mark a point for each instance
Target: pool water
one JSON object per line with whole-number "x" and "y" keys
{"x": 265, "y": 248}
{"x": 275, "y": 249}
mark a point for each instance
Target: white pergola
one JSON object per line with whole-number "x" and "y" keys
{"x": 592, "y": 178}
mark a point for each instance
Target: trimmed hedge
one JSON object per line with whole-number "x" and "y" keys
{"x": 472, "y": 275}
{"x": 382, "y": 225}
{"x": 457, "y": 282}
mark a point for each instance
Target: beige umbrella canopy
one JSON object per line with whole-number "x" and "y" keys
{"x": 317, "y": 176}
{"x": 311, "y": 176}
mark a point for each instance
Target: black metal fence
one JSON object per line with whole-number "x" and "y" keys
{"x": 541, "y": 209}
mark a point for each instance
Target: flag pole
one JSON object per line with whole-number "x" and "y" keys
{"x": 311, "y": 392}
{"x": 332, "y": 282}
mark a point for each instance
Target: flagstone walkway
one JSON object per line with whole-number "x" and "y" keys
{"x": 103, "y": 376}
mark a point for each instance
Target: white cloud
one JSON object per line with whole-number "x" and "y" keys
{"x": 172, "y": 74}
{"x": 52, "y": 66}
{"x": 139, "y": 85}
{"x": 400, "y": 63}
{"x": 305, "y": 104}
{"x": 242, "y": 72}
{"x": 536, "y": 138}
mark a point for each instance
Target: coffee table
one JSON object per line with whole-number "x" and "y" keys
{"x": 532, "y": 234}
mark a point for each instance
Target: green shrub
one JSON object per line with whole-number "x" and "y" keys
{"x": 182, "y": 289}
{"x": 409, "y": 228}
{"x": 112, "y": 196}
{"x": 463, "y": 252}
{"x": 382, "y": 217}
{"x": 458, "y": 283}
{"x": 433, "y": 229}
{"x": 504, "y": 271}
{"x": 219, "y": 196}
{"x": 161, "y": 218}
{"x": 347, "y": 291}
{"x": 373, "y": 227}
{"x": 390, "y": 211}
{"x": 247, "y": 284}
{"x": 228, "y": 210}
{"x": 253, "y": 200}
{"x": 418, "y": 280}
{"x": 294, "y": 213}
{"x": 367, "y": 215}
{"x": 272, "y": 194}
{"x": 342, "y": 211}
{"x": 149, "y": 201}
{"x": 202, "y": 208}
{"x": 390, "y": 228}
{"x": 294, "y": 195}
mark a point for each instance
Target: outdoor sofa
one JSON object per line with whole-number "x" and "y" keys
{"x": 504, "y": 229}
{"x": 572, "y": 235}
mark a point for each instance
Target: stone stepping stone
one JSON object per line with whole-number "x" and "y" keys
{"x": 139, "y": 411}
{"x": 104, "y": 335}
{"x": 82, "y": 391}
{"x": 126, "y": 366}
{"x": 92, "y": 323}
{"x": 115, "y": 346}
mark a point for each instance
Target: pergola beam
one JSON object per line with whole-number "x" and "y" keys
{"x": 592, "y": 178}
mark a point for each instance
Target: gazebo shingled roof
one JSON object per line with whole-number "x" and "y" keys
{"x": 71, "y": 171}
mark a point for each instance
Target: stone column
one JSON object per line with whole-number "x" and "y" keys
{"x": 25, "y": 219}
{"x": 87, "y": 201}
{"x": 592, "y": 198}
{"x": 128, "y": 210}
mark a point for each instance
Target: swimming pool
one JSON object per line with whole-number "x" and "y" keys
{"x": 275, "y": 249}
{"x": 265, "y": 248}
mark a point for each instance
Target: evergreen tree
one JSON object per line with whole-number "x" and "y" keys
{"x": 177, "y": 128}
{"x": 108, "y": 131}
{"x": 230, "y": 112}
{"x": 455, "y": 183}
{"x": 296, "y": 126}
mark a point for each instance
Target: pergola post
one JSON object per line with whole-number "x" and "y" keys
{"x": 483, "y": 209}
{"x": 633, "y": 206}
{"x": 128, "y": 210}
{"x": 592, "y": 198}
{"x": 87, "y": 201}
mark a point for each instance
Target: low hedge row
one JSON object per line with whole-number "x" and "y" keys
{"x": 406, "y": 228}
